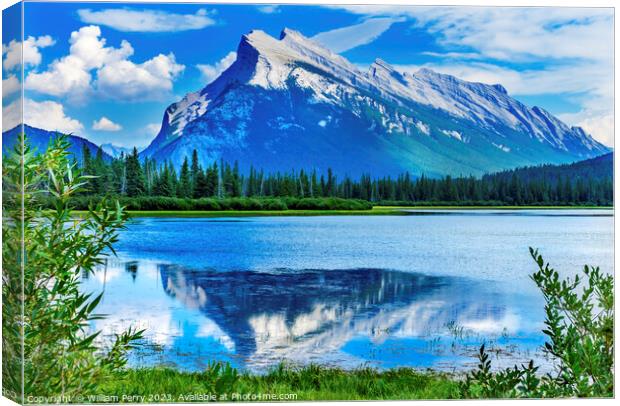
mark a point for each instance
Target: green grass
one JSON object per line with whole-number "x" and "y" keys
{"x": 308, "y": 383}
{"x": 376, "y": 211}
{"x": 457, "y": 207}
{"x": 251, "y": 213}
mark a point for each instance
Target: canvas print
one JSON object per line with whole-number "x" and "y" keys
{"x": 267, "y": 202}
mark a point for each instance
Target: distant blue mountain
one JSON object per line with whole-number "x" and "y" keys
{"x": 115, "y": 150}
{"x": 40, "y": 139}
{"x": 289, "y": 103}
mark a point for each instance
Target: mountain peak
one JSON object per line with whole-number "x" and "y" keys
{"x": 500, "y": 88}
{"x": 256, "y": 40}
{"x": 380, "y": 63}
{"x": 380, "y": 69}
{"x": 426, "y": 72}
{"x": 292, "y": 89}
{"x": 432, "y": 75}
{"x": 287, "y": 32}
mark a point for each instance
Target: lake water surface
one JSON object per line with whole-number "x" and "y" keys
{"x": 421, "y": 290}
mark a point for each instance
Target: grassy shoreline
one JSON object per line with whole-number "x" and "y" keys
{"x": 375, "y": 211}
{"x": 295, "y": 384}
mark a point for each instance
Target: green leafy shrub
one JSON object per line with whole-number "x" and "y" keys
{"x": 579, "y": 326}
{"x": 57, "y": 357}
{"x": 157, "y": 203}
{"x": 220, "y": 377}
{"x": 207, "y": 203}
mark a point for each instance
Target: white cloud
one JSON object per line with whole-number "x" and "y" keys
{"x": 116, "y": 76}
{"x": 152, "y": 129}
{"x": 599, "y": 124}
{"x": 12, "y": 53}
{"x": 132, "y": 20}
{"x": 524, "y": 33}
{"x": 91, "y": 50}
{"x": 555, "y": 80}
{"x": 517, "y": 33}
{"x": 453, "y": 55}
{"x": 71, "y": 74}
{"x": 562, "y": 51}
{"x": 594, "y": 88}
{"x": 66, "y": 75}
{"x": 48, "y": 115}
{"x": 126, "y": 80}
{"x": 269, "y": 9}
{"x": 345, "y": 38}
{"x": 105, "y": 124}
{"x": 10, "y": 85}
{"x": 11, "y": 115}
{"x": 211, "y": 72}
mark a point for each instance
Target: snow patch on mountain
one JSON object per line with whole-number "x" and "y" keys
{"x": 424, "y": 128}
{"x": 502, "y": 147}
{"x": 301, "y": 74}
{"x": 453, "y": 134}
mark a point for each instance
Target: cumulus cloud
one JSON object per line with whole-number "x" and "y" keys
{"x": 116, "y": 76}
{"x": 126, "y": 80}
{"x": 597, "y": 123}
{"x": 211, "y": 72}
{"x": 531, "y": 51}
{"x": 12, "y": 53}
{"x": 10, "y": 85}
{"x": 47, "y": 114}
{"x": 345, "y": 38}
{"x": 71, "y": 74}
{"x": 132, "y": 20}
{"x": 105, "y": 124}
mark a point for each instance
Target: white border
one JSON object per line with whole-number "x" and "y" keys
{"x": 507, "y": 3}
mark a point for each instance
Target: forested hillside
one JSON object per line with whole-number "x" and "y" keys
{"x": 583, "y": 183}
{"x": 594, "y": 168}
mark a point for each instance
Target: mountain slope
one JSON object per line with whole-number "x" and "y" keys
{"x": 290, "y": 103}
{"x": 39, "y": 139}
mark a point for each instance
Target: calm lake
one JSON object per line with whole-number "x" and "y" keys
{"x": 421, "y": 290}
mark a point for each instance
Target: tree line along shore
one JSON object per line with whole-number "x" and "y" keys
{"x": 220, "y": 186}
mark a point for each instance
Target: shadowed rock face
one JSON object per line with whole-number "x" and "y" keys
{"x": 288, "y": 314}
{"x": 290, "y": 102}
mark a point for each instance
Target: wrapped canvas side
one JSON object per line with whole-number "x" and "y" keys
{"x": 13, "y": 258}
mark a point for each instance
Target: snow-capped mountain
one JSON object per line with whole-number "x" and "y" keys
{"x": 115, "y": 151}
{"x": 290, "y": 103}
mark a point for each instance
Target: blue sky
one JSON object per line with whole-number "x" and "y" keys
{"x": 107, "y": 71}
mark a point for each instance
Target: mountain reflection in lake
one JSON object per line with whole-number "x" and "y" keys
{"x": 338, "y": 317}
{"x": 420, "y": 291}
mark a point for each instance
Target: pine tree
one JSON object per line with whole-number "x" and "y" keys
{"x": 202, "y": 185}
{"x": 101, "y": 182}
{"x": 136, "y": 184}
{"x": 184, "y": 189}
{"x": 236, "y": 181}
{"x": 195, "y": 170}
